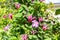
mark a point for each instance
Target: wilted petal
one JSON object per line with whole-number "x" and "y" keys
{"x": 4, "y": 16}
{"x": 33, "y": 32}
{"x": 34, "y": 18}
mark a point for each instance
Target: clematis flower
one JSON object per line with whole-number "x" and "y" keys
{"x": 10, "y": 16}
{"x": 4, "y": 16}
{"x": 33, "y": 32}
{"x": 35, "y": 23}
{"x": 17, "y": 6}
{"x": 6, "y": 27}
{"x": 41, "y": 0}
{"x": 24, "y": 37}
{"x": 44, "y": 27}
{"x": 40, "y": 19}
{"x": 30, "y": 18}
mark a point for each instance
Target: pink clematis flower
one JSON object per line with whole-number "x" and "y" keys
{"x": 35, "y": 23}
{"x": 17, "y": 6}
{"x": 30, "y": 18}
{"x": 6, "y": 27}
{"x": 10, "y": 16}
{"x": 40, "y": 19}
{"x": 24, "y": 37}
{"x": 44, "y": 27}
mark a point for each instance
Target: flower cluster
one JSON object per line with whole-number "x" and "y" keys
{"x": 35, "y": 23}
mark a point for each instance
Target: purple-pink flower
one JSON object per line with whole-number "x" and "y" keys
{"x": 40, "y": 19}
{"x": 35, "y": 23}
{"x": 4, "y": 16}
{"x": 33, "y": 32}
{"x": 44, "y": 27}
{"x": 24, "y": 37}
{"x": 6, "y": 27}
{"x": 10, "y": 16}
{"x": 30, "y": 18}
{"x": 17, "y": 6}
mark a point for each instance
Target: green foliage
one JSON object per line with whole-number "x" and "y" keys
{"x": 57, "y": 11}
{"x": 19, "y": 25}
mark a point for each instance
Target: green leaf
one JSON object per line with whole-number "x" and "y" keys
{"x": 57, "y": 11}
{"x": 33, "y": 37}
{"x": 48, "y": 39}
{"x": 18, "y": 15}
{"x": 13, "y": 38}
{"x": 20, "y": 10}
